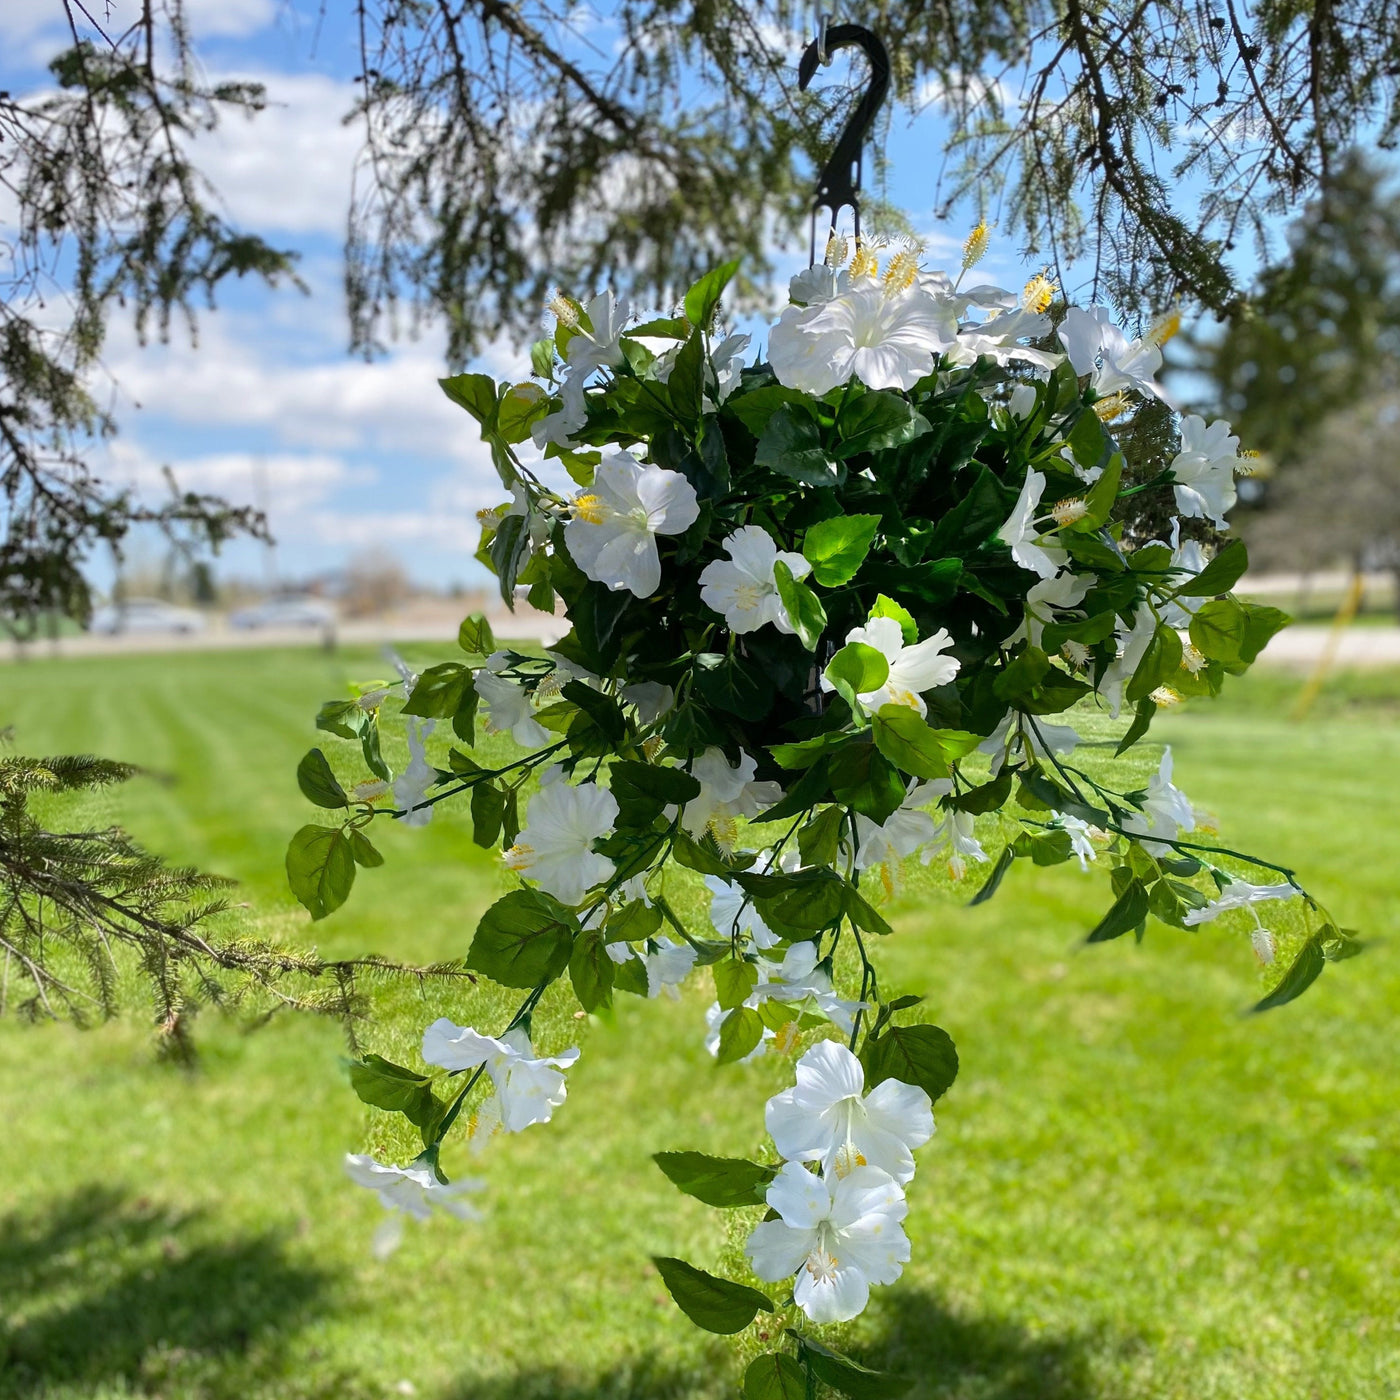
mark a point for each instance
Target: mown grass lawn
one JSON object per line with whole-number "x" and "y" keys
{"x": 1135, "y": 1190}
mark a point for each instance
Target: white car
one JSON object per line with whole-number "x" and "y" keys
{"x": 146, "y": 615}
{"x": 285, "y": 612}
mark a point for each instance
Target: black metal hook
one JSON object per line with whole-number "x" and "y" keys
{"x": 838, "y": 185}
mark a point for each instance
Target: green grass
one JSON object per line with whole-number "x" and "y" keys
{"x": 1135, "y": 1190}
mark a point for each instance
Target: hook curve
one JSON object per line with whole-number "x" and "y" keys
{"x": 838, "y": 184}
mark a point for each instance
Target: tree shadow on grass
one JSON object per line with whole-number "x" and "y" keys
{"x": 103, "y": 1292}
{"x": 946, "y": 1356}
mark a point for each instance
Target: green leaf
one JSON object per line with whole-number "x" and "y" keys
{"x": 1218, "y": 629}
{"x": 820, "y": 840}
{"x": 521, "y": 407}
{"x": 816, "y": 903}
{"x": 1220, "y": 575}
{"x": 1127, "y": 912}
{"x": 803, "y": 607}
{"x": 703, "y": 297}
{"x": 364, "y": 850}
{"x": 702, "y": 856}
{"x": 318, "y": 783}
{"x": 343, "y": 718}
{"x": 904, "y": 737}
{"x": 755, "y": 408}
{"x": 734, "y": 684}
{"x": 439, "y": 691}
{"x": 488, "y": 808}
{"x": 475, "y": 635}
{"x": 774, "y": 1376}
{"x": 718, "y": 1181}
{"x": 791, "y": 445}
{"x": 686, "y": 386}
{"x": 602, "y": 709}
{"x": 855, "y": 670}
{"x": 476, "y": 393}
{"x": 383, "y": 1084}
{"x": 523, "y": 940}
{"x": 739, "y": 1033}
{"x": 993, "y": 881}
{"x": 887, "y": 607}
{"x": 1142, "y": 721}
{"x": 850, "y": 1377}
{"x": 633, "y": 922}
{"x": 863, "y": 778}
{"x": 862, "y": 913}
{"x": 542, "y": 356}
{"x": 920, "y": 1055}
{"x": 643, "y": 790}
{"x": 713, "y": 1303}
{"x": 836, "y": 548}
{"x": 875, "y": 422}
{"x": 1260, "y": 623}
{"x": 1160, "y": 662}
{"x": 1018, "y": 680}
{"x": 989, "y": 797}
{"x": 1304, "y": 970}
{"x": 1089, "y": 441}
{"x": 734, "y": 980}
{"x": 591, "y": 971}
{"x": 320, "y": 868}
{"x": 509, "y": 546}
{"x": 1101, "y": 497}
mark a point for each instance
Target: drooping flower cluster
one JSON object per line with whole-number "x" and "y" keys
{"x": 831, "y": 607}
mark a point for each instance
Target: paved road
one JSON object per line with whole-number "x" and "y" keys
{"x": 1363, "y": 647}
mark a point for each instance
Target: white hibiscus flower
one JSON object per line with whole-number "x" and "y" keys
{"x": 528, "y": 1087}
{"x": 1166, "y": 810}
{"x": 1020, "y": 532}
{"x": 1204, "y": 470}
{"x": 727, "y": 792}
{"x": 612, "y": 535}
{"x": 905, "y": 832}
{"x": 913, "y": 669}
{"x": 1239, "y": 894}
{"x": 556, "y": 847}
{"x": 1097, "y": 347}
{"x": 412, "y": 784}
{"x": 833, "y": 1239}
{"x": 414, "y": 1190}
{"x": 828, "y": 1118}
{"x": 888, "y": 339}
{"x": 743, "y": 588}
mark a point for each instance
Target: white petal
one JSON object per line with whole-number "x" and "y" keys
{"x": 801, "y": 1198}
{"x": 776, "y": 1251}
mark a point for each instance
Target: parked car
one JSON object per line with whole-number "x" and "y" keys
{"x": 146, "y": 615}
{"x": 285, "y": 612}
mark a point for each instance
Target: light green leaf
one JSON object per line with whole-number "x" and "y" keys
{"x": 475, "y": 635}
{"x": 836, "y": 548}
{"x": 855, "y": 670}
{"x": 803, "y": 607}
{"x": 739, "y": 1033}
{"x": 904, "y": 737}
{"x": 703, "y": 297}
{"x": 1218, "y": 629}
{"x": 887, "y": 607}
{"x": 320, "y": 868}
{"x": 734, "y": 980}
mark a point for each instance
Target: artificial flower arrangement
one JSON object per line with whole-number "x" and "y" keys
{"x": 827, "y": 614}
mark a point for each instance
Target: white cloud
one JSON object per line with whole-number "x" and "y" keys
{"x": 287, "y": 168}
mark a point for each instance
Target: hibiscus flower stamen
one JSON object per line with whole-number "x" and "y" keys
{"x": 1038, "y": 293}
{"x": 1076, "y": 653}
{"x": 902, "y": 272}
{"x": 1164, "y": 327}
{"x": 1067, "y": 511}
{"x": 1164, "y": 697}
{"x": 1192, "y": 659}
{"x": 1112, "y": 406}
{"x": 975, "y": 247}
{"x": 590, "y": 508}
{"x": 563, "y": 310}
{"x": 866, "y": 262}
{"x": 838, "y": 249}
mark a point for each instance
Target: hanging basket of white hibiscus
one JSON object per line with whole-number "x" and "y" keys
{"x": 829, "y": 611}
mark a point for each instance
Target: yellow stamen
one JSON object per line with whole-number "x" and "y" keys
{"x": 1076, "y": 653}
{"x": 847, "y": 1160}
{"x": 975, "y": 248}
{"x": 838, "y": 249}
{"x": 1251, "y": 462}
{"x": 589, "y": 508}
{"x": 1164, "y": 697}
{"x": 786, "y": 1039}
{"x": 902, "y": 272}
{"x": 725, "y": 830}
{"x": 1038, "y": 293}
{"x": 564, "y": 311}
{"x": 866, "y": 262}
{"x": 1069, "y": 510}
{"x": 1112, "y": 406}
{"x": 1192, "y": 659}
{"x": 1165, "y": 326}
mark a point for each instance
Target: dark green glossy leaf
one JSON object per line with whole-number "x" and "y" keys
{"x": 318, "y": 783}
{"x": 703, "y": 297}
{"x": 726, "y": 1182}
{"x": 791, "y": 445}
{"x": 924, "y": 1056}
{"x": 591, "y": 971}
{"x": 774, "y": 1376}
{"x": 1126, "y": 913}
{"x": 320, "y": 868}
{"x": 713, "y": 1303}
{"x": 1304, "y": 970}
{"x": 1220, "y": 575}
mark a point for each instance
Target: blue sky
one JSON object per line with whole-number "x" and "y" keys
{"x": 269, "y": 408}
